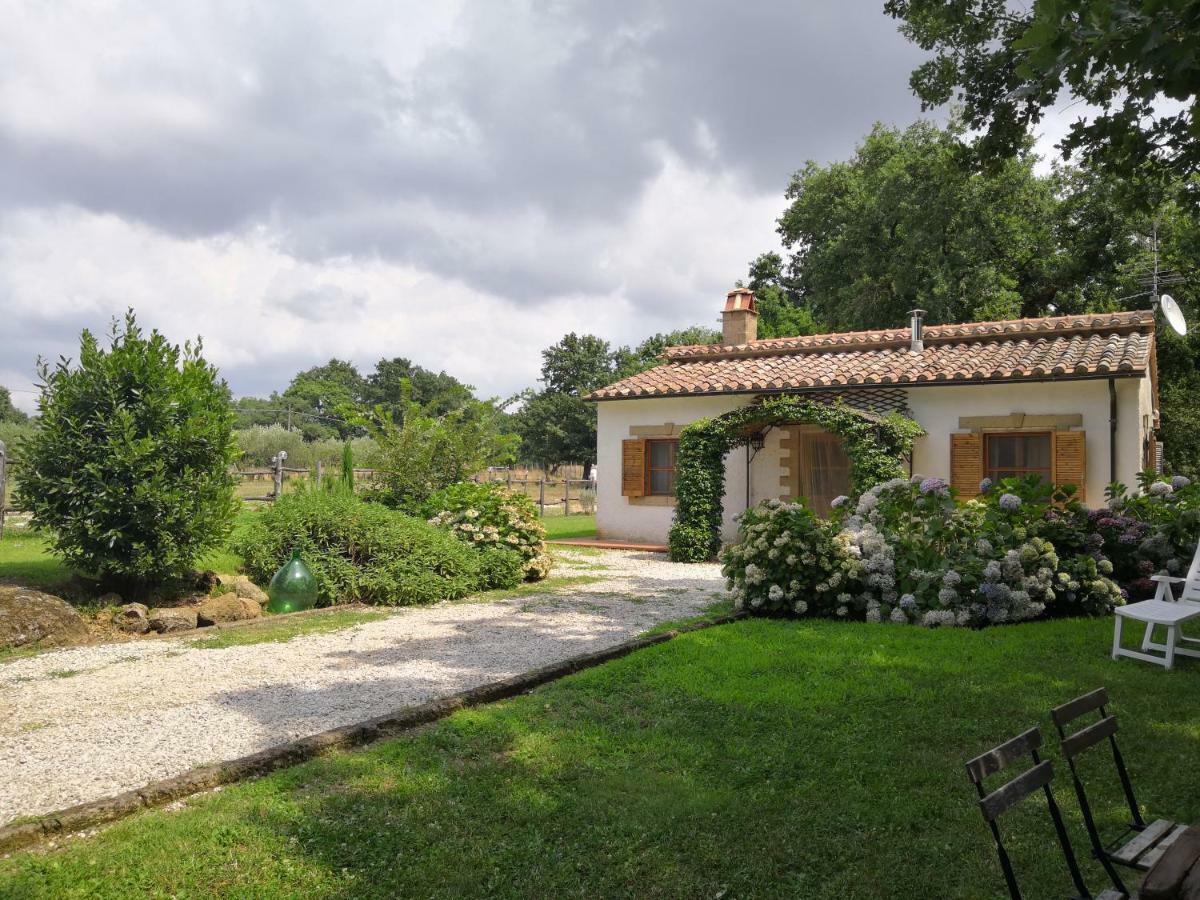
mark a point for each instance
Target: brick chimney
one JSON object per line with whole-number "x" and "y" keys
{"x": 739, "y": 321}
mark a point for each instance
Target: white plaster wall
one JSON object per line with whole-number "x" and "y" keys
{"x": 938, "y": 408}
{"x": 619, "y": 519}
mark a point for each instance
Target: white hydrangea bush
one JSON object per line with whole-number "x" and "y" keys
{"x": 787, "y": 561}
{"x": 489, "y": 515}
{"x": 907, "y": 553}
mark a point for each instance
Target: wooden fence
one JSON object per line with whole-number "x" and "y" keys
{"x": 565, "y": 496}
{"x": 554, "y": 496}
{"x": 575, "y": 496}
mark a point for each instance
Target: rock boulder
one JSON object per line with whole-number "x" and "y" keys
{"x": 167, "y": 620}
{"x": 30, "y": 618}
{"x": 132, "y": 617}
{"x": 251, "y": 591}
{"x": 227, "y": 608}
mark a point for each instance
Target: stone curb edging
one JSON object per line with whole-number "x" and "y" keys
{"x": 157, "y": 793}
{"x": 202, "y": 631}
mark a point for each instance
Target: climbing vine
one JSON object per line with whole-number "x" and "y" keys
{"x": 876, "y": 448}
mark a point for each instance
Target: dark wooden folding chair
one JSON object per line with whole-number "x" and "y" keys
{"x": 1140, "y": 845}
{"x": 995, "y": 803}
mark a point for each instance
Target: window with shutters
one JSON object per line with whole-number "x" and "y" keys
{"x": 660, "y": 467}
{"x": 1017, "y": 454}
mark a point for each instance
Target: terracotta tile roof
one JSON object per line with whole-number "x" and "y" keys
{"x": 1061, "y": 347}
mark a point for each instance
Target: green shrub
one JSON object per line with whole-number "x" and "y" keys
{"x": 360, "y": 551}
{"x": 129, "y": 468}
{"x": 490, "y": 515}
{"x": 500, "y": 568}
{"x": 420, "y": 454}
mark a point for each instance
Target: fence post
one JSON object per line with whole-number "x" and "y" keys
{"x": 567, "y": 495}
{"x": 3, "y": 485}
{"x": 542, "y": 495}
{"x": 510, "y": 479}
{"x": 278, "y": 460}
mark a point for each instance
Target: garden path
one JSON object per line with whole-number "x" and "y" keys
{"x": 90, "y": 722}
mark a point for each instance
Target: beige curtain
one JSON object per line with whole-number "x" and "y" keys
{"x": 825, "y": 469}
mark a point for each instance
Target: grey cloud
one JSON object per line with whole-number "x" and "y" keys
{"x": 551, "y": 108}
{"x": 321, "y": 303}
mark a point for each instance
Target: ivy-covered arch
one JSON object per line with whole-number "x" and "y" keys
{"x": 876, "y": 446}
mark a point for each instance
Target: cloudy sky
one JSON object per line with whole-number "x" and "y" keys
{"x": 458, "y": 183}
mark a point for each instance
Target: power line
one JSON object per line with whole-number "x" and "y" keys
{"x": 292, "y": 412}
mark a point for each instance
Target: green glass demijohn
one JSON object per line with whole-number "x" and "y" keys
{"x": 293, "y": 588}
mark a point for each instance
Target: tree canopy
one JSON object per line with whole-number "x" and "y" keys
{"x": 908, "y": 222}
{"x": 8, "y": 412}
{"x": 1134, "y": 61}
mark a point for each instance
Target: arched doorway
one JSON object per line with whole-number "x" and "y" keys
{"x": 816, "y": 466}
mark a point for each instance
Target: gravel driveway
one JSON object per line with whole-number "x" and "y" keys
{"x": 86, "y": 723}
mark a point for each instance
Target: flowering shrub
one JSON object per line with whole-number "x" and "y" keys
{"x": 489, "y": 516}
{"x": 788, "y": 561}
{"x": 1169, "y": 515}
{"x": 932, "y": 562}
{"x": 907, "y": 553}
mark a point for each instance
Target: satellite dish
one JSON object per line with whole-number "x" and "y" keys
{"x": 1172, "y": 313}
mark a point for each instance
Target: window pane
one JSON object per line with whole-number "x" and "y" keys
{"x": 662, "y": 454}
{"x": 1037, "y": 451}
{"x": 1002, "y": 451}
{"x": 660, "y": 481}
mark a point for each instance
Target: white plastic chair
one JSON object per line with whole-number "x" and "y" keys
{"x": 1167, "y": 610}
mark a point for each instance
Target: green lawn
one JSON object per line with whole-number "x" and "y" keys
{"x": 760, "y": 759}
{"x": 558, "y": 527}
{"x": 25, "y": 558}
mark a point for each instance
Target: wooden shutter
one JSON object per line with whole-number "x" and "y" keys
{"x": 633, "y": 468}
{"x": 966, "y": 463}
{"x": 1070, "y": 463}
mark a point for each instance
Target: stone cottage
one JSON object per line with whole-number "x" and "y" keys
{"x": 1072, "y": 398}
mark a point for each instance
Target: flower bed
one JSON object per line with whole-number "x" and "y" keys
{"x": 906, "y": 552}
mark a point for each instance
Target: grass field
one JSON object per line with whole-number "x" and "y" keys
{"x": 569, "y": 527}
{"x": 760, "y": 759}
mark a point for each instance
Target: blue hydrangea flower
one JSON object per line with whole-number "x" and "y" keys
{"x": 1160, "y": 489}
{"x": 985, "y": 485}
{"x": 839, "y": 501}
{"x": 1180, "y": 481}
{"x": 908, "y": 601}
{"x": 932, "y": 485}
{"x": 1010, "y": 502}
